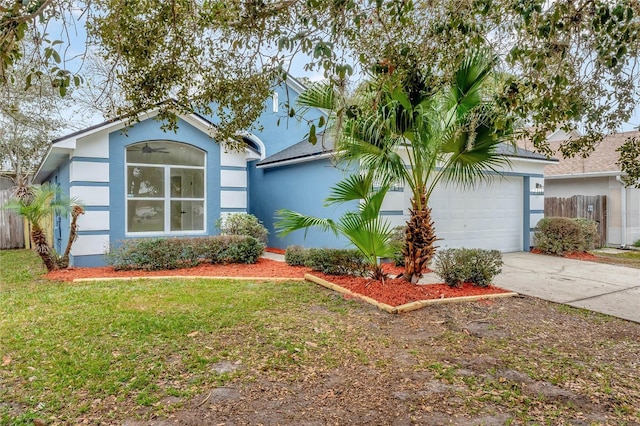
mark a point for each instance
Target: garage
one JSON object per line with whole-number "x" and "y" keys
{"x": 489, "y": 216}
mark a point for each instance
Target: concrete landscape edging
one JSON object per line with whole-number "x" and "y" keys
{"x": 407, "y": 307}
{"x": 186, "y": 277}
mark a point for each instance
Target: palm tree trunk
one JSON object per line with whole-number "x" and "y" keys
{"x": 73, "y": 235}
{"x": 42, "y": 248}
{"x": 420, "y": 237}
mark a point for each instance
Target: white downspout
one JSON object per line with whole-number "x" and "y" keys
{"x": 623, "y": 211}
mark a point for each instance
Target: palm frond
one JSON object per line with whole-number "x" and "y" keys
{"x": 354, "y": 187}
{"x": 288, "y": 221}
{"x": 319, "y": 95}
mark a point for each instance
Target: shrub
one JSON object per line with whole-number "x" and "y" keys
{"x": 243, "y": 224}
{"x": 152, "y": 254}
{"x": 476, "y": 266}
{"x": 397, "y": 243}
{"x": 337, "y": 261}
{"x": 233, "y": 249}
{"x": 296, "y": 255}
{"x": 560, "y": 235}
{"x": 636, "y": 244}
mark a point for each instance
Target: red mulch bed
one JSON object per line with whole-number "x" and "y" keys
{"x": 263, "y": 268}
{"x": 394, "y": 291}
{"x": 579, "y": 255}
{"x": 397, "y": 291}
{"x": 275, "y": 250}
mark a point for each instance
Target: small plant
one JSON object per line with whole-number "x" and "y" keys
{"x": 476, "y": 266}
{"x": 397, "y": 243}
{"x": 560, "y": 235}
{"x": 296, "y": 255}
{"x": 637, "y": 243}
{"x": 243, "y": 224}
{"x": 337, "y": 261}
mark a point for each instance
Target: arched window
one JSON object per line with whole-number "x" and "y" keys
{"x": 165, "y": 187}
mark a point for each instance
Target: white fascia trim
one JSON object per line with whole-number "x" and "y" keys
{"x": 295, "y": 84}
{"x": 59, "y": 150}
{"x": 199, "y": 123}
{"x": 515, "y": 158}
{"x": 584, "y": 175}
{"x": 297, "y": 160}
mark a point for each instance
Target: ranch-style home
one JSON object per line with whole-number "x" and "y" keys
{"x": 146, "y": 182}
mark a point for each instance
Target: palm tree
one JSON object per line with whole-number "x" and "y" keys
{"x": 408, "y": 132}
{"x": 39, "y": 203}
{"x": 364, "y": 227}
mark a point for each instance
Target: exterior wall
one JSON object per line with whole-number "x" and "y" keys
{"x": 612, "y": 189}
{"x": 302, "y": 188}
{"x": 150, "y": 130}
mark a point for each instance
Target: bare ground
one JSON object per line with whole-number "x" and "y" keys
{"x": 509, "y": 361}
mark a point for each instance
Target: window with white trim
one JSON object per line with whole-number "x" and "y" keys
{"x": 165, "y": 188}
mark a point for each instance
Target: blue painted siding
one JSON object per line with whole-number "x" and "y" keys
{"x": 150, "y": 130}
{"x": 302, "y": 188}
{"x": 89, "y": 261}
{"x": 277, "y": 137}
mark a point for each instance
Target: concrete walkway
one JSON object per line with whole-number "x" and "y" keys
{"x": 609, "y": 289}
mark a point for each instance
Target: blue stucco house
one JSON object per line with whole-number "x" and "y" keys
{"x": 145, "y": 182}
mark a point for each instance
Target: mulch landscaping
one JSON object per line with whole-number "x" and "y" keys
{"x": 393, "y": 291}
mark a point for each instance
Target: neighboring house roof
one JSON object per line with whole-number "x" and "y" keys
{"x": 603, "y": 161}
{"x": 304, "y": 151}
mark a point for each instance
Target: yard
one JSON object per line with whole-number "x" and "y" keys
{"x": 216, "y": 352}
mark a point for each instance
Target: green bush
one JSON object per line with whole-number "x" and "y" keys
{"x": 243, "y": 224}
{"x": 560, "y": 235}
{"x": 152, "y": 254}
{"x": 636, "y": 244}
{"x": 337, "y": 261}
{"x": 397, "y": 243}
{"x": 233, "y": 249}
{"x": 295, "y": 255}
{"x": 476, "y": 266}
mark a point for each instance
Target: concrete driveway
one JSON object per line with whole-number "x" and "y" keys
{"x": 609, "y": 289}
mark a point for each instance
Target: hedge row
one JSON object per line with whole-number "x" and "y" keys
{"x": 153, "y": 254}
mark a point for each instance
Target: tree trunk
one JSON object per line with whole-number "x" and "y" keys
{"x": 73, "y": 235}
{"x": 42, "y": 247}
{"x": 420, "y": 237}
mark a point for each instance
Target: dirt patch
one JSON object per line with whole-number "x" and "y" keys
{"x": 536, "y": 373}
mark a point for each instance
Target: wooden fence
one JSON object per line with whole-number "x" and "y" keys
{"x": 583, "y": 206}
{"x": 11, "y": 225}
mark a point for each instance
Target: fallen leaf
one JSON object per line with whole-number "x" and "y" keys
{"x": 193, "y": 334}
{"x": 6, "y": 360}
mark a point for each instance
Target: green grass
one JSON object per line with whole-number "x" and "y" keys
{"x": 65, "y": 345}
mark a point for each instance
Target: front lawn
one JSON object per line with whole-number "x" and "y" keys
{"x": 629, "y": 258}
{"x": 210, "y": 352}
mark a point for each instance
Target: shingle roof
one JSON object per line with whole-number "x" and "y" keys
{"x": 305, "y": 150}
{"x": 602, "y": 160}
{"x": 302, "y": 149}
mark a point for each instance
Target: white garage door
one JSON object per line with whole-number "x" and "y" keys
{"x": 489, "y": 217}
